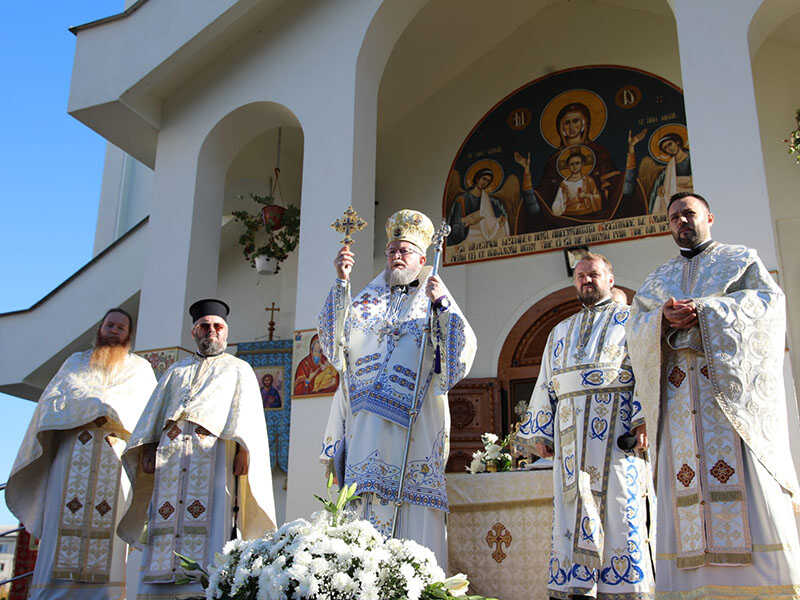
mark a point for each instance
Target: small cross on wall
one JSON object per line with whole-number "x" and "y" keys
{"x": 272, "y": 310}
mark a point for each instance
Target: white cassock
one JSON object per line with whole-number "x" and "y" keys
{"x": 581, "y": 404}
{"x": 714, "y": 395}
{"x": 374, "y": 342}
{"x": 67, "y": 485}
{"x": 201, "y": 408}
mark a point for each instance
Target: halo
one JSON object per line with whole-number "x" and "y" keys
{"x": 589, "y": 159}
{"x": 597, "y": 111}
{"x": 485, "y": 163}
{"x": 658, "y": 135}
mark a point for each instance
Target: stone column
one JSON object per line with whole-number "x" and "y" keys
{"x": 721, "y": 115}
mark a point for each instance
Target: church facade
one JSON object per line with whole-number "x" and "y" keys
{"x": 378, "y": 104}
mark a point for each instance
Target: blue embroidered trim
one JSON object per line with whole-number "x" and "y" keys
{"x": 425, "y": 480}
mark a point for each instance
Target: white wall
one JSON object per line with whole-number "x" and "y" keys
{"x": 777, "y": 87}
{"x": 415, "y": 153}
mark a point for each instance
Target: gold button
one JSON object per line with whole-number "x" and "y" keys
{"x": 697, "y": 456}
{"x": 702, "y": 502}
{"x": 694, "y": 412}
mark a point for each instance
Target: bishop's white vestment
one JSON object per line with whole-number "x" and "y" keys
{"x": 713, "y": 399}
{"x": 67, "y": 484}
{"x": 581, "y": 404}
{"x": 374, "y": 342}
{"x": 201, "y": 408}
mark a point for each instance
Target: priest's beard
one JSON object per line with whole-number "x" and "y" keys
{"x": 590, "y": 294}
{"x": 108, "y": 355}
{"x": 402, "y": 276}
{"x": 210, "y": 346}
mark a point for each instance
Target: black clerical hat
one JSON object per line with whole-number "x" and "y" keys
{"x": 208, "y": 306}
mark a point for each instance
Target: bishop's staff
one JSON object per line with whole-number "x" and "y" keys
{"x": 438, "y": 241}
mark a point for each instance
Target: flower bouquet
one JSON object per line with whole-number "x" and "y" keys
{"x": 491, "y": 458}
{"x": 331, "y": 557}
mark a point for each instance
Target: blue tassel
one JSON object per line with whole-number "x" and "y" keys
{"x": 437, "y": 361}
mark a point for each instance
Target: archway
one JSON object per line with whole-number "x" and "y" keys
{"x": 521, "y": 355}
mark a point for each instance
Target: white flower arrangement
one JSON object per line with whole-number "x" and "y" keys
{"x": 492, "y": 457}
{"x": 330, "y": 557}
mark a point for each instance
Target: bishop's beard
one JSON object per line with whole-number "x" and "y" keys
{"x": 108, "y": 354}
{"x": 401, "y": 276}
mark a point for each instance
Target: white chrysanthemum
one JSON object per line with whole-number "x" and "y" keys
{"x": 342, "y": 582}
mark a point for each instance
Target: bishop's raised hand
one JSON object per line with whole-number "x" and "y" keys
{"x": 344, "y": 262}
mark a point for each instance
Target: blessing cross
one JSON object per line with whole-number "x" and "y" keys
{"x": 497, "y": 536}
{"x": 272, "y": 310}
{"x": 347, "y": 224}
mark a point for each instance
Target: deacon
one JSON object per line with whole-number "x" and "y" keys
{"x": 198, "y": 461}
{"x": 374, "y": 342}
{"x": 706, "y": 337}
{"x": 67, "y": 485}
{"x": 581, "y": 413}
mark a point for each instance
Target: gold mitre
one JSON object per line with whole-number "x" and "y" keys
{"x": 410, "y": 226}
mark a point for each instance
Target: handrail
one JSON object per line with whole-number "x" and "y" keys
{"x": 23, "y": 576}
{"x": 3, "y": 486}
{"x": 10, "y": 531}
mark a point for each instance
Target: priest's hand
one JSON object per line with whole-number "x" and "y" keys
{"x": 641, "y": 437}
{"x": 147, "y": 458}
{"x": 541, "y": 449}
{"x": 344, "y": 262}
{"x": 434, "y": 288}
{"x": 680, "y": 314}
{"x": 241, "y": 462}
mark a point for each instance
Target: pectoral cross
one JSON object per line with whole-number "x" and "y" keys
{"x": 272, "y": 310}
{"x": 347, "y": 224}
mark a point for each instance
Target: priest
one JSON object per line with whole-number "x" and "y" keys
{"x": 198, "y": 461}
{"x": 583, "y": 415}
{"x": 706, "y": 337}
{"x": 67, "y": 485}
{"x": 374, "y": 343}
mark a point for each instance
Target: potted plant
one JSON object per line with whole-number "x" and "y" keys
{"x": 281, "y": 233}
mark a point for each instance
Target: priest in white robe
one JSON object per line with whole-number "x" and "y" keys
{"x": 582, "y": 413}
{"x": 198, "y": 461}
{"x": 374, "y": 342}
{"x": 67, "y": 485}
{"x": 706, "y": 337}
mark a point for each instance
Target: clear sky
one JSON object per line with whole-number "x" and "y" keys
{"x": 51, "y": 167}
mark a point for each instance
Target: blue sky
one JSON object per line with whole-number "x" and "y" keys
{"x": 51, "y": 167}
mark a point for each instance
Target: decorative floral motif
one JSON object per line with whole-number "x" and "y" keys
{"x": 685, "y": 475}
{"x": 676, "y": 376}
{"x": 722, "y": 471}
{"x": 196, "y": 508}
{"x": 166, "y": 510}
{"x": 173, "y": 432}
{"x": 74, "y": 505}
{"x": 103, "y": 507}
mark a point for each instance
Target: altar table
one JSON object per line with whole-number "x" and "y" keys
{"x": 498, "y": 532}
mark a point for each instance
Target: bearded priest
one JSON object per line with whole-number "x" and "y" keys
{"x": 198, "y": 461}
{"x": 707, "y": 338}
{"x": 374, "y": 342}
{"x": 582, "y": 414}
{"x": 67, "y": 485}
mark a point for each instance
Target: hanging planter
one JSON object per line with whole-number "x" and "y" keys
{"x": 266, "y": 265}
{"x": 261, "y": 240}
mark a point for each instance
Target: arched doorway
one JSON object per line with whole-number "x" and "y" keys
{"x": 521, "y": 355}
